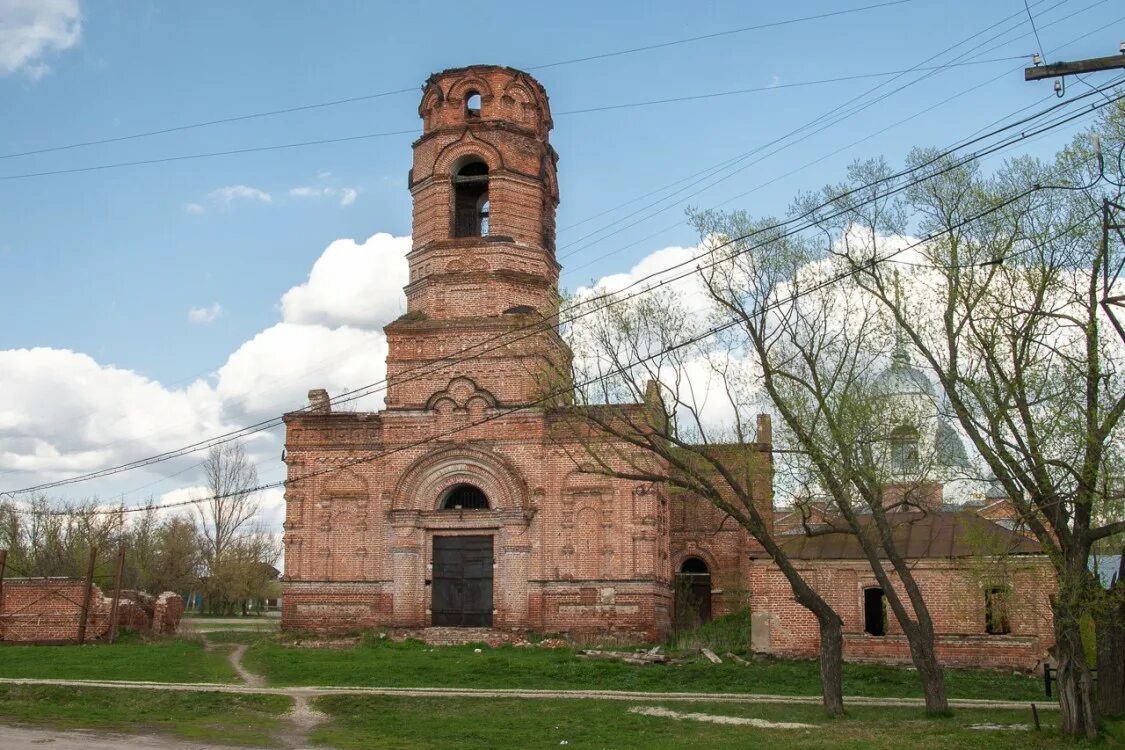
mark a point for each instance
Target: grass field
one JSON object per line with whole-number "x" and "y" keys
{"x": 401, "y": 723}
{"x": 252, "y": 720}
{"x": 413, "y": 664}
{"x": 166, "y": 660}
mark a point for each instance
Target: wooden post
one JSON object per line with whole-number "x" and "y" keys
{"x": 89, "y": 592}
{"x": 116, "y": 592}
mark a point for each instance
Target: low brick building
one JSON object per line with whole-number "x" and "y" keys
{"x": 988, "y": 609}
{"x": 463, "y": 502}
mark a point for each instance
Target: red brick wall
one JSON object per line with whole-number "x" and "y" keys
{"x": 48, "y": 610}
{"x": 573, "y": 552}
{"x": 954, "y": 594}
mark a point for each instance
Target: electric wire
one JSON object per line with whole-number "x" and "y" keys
{"x": 381, "y": 94}
{"x": 551, "y": 396}
{"x": 368, "y": 390}
{"x": 916, "y": 67}
{"x": 642, "y": 219}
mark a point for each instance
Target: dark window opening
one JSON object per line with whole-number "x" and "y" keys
{"x": 874, "y": 612}
{"x": 472, "y": 104}
{"x": 465, "y": 497}
{"x": 996, "y": 620}
{"x": 904, "y": 450}
{"x": 693, "y": 594}
{"x": 520, "y": 310}
{"x": 470, "y": 200}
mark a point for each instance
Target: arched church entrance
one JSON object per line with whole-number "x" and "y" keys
{"x": 462, "y": 567}
{"x": 693, "y": 594}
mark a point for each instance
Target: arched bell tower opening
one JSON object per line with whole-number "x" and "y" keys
{"x": 470, "y": 200}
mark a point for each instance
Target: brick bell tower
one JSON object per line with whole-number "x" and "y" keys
{"x": 454, "y": 506}
{"x": 482, "y": 265}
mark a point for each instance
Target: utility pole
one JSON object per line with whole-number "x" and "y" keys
{"x": 116, "y": 592}
{"x": 1061, "y": 69}
{"x": 86, "y": 596}
{"x": 3, "y": 564}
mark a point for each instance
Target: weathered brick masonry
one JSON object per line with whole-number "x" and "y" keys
{"x": 463, "y": 503}
{"x": 48, "y": 610}
{"x": 570, "y": 551}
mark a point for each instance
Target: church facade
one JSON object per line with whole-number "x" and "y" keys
{"x": 462, "y": 503}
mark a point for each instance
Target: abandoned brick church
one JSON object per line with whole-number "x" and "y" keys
{"x": 452, "y": 508}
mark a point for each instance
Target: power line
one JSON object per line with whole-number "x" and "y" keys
{"x": 381, "y": 94}
{"x": 897, "y": 74}
{"x": 743, "y": 167}
{"x": 186, "y": 157}
{"x": 779, "y": 86}
{"x": 826, "y": 120}
{"x": 542, "y": 326}
{"x": 714, "y": 168}
{"x": 1031, "y": 18}
{"x": 414, "y": 131}
{"x": 734, "y": 321}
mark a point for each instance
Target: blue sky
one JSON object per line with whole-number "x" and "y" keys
{"x": 108, "y": 264}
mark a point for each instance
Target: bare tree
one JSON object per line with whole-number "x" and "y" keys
{"x": 1008, "y": 316}
{"x": 640, "y": 411}
{"x": 228, "y": 510}
{"x": 819, "y": 345}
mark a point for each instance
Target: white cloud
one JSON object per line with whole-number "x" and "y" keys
{"x": 194, "y": 209}
{"x": 345, "y": 195}
{"x": 660, "y": 266}
{"x": 62, "y": 412}
{"x": 353, "y": 284}
{"x": 231, "y": 193}
{"x": 30, "y": 30}
{"x": 205, "y": 314}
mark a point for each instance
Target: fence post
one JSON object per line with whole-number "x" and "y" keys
{"x": 89, "y": 592}
{"x": 1047, "y": 679}
{"x": 116, "y": 592}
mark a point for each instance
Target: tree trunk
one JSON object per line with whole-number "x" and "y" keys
{"x": 832, "y": 664}
{"x": 1109, "y": 628}
{"x": 1075, "y": 684}
{"x": 924, "y": 656}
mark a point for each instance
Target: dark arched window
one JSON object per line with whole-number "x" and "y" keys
{"x": 472, "y": 104}
{"x": 465, "y": 497}
{"x": 695, "y": 566}
{"x": 470, "y": 200}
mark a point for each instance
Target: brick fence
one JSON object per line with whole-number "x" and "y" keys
{"x": 49, "y": 610}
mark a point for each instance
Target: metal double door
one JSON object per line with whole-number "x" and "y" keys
{"x": 462, "y": 581}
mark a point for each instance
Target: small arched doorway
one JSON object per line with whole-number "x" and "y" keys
{"x": 693, "y": 594}
{"x": 462, "y": 567}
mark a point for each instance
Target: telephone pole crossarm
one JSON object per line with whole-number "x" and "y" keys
{"x": 1092, "y": 65}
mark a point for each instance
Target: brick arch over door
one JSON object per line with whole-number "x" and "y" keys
{"x": 424, "y": 484}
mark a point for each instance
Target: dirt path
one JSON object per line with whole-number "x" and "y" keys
{"x": 302, "y": 717}
{"x": 26, "y": 738}
{"x": 235, "y": 659}
{"x": 613, "y": 695}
